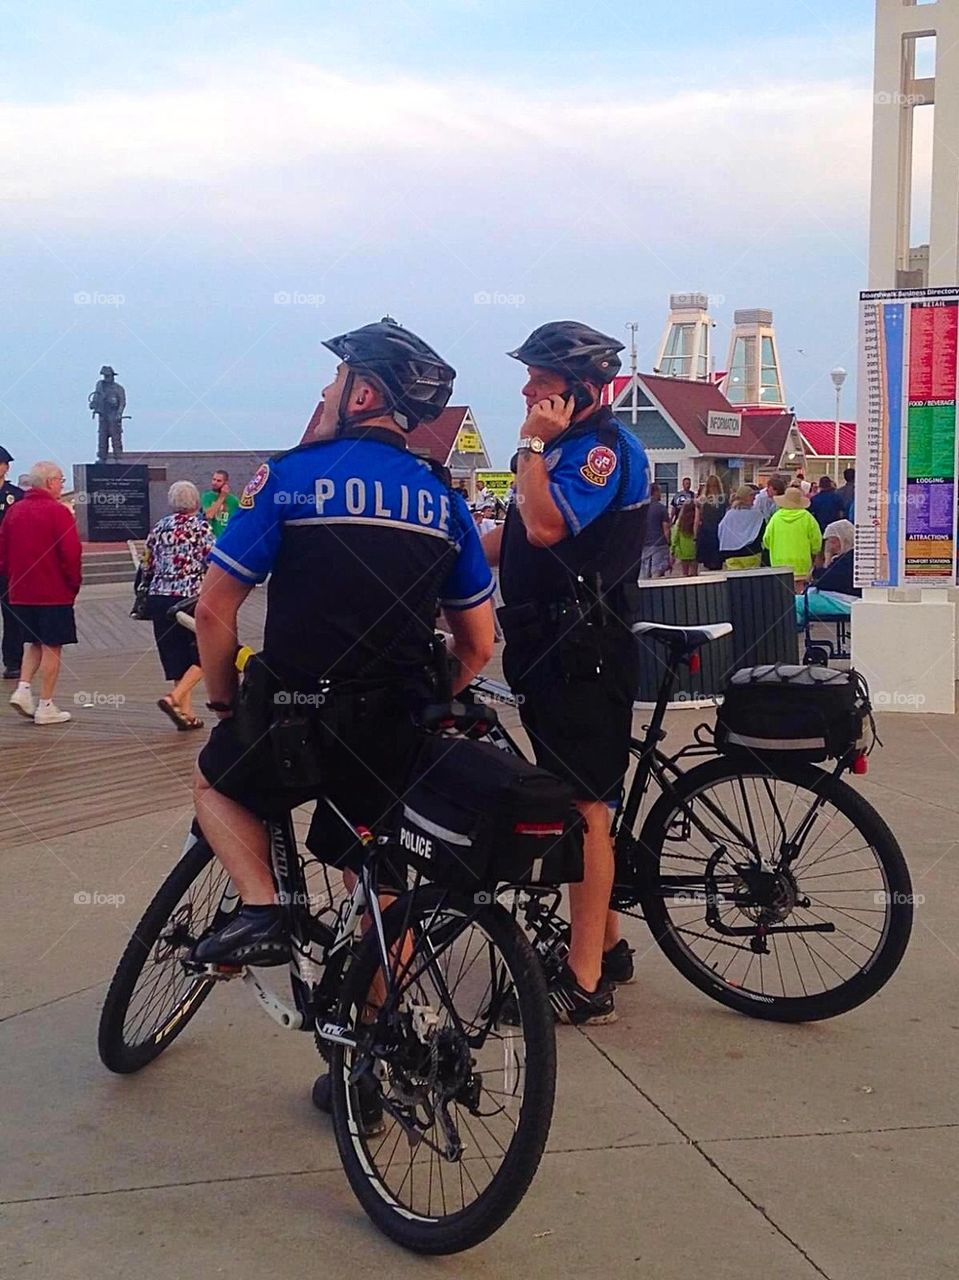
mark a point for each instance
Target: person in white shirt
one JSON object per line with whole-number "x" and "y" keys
{"x": 483, "y": 517}
{"x": 766, "y": 501}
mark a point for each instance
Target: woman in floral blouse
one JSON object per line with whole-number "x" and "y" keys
{"x": 174, "y": 563}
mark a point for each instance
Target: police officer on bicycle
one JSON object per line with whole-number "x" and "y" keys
{"x": 569, "y": 555}
{"x": 362, "y": 541}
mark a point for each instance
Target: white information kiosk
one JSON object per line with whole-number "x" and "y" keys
{"x": 903, "y": 630}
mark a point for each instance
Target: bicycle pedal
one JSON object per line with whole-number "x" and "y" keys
{"x": 220, "y": 972}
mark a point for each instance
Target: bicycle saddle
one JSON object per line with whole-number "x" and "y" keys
{"x": 685, "y": 637}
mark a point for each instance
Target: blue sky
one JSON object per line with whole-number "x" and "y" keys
{"x": 198, "y": 194}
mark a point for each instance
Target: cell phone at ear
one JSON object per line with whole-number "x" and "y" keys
{"x": 580, "y": 397}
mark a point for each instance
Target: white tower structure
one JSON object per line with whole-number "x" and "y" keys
{"x": 684, "y": 346}
{"x": 894, "y": 261}
{"x": 904, "y": 639}
{"x": 753, "y": 375}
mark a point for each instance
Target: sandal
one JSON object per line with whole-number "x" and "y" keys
{"x": 168, "y": 709}
{"x": 192, "y": 722}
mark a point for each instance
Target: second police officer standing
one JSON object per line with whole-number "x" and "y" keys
{"x": 569, "y": 555}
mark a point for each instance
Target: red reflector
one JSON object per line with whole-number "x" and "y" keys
{"x": 694, "y": 663}
{"x": 860, "y": 765}
{"x": 538, "y": 829}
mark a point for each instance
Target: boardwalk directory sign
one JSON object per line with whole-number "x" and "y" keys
{"x": 906, "y": 451}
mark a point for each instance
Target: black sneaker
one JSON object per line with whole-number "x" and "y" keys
{"x": 579, "y": 1008}
{"x": 618, "y": 964}
{"x": 254, "y": 937}
{"x": 371, "y": 1102}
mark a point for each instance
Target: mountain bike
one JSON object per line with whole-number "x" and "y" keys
{"x": 408, "y": 1008}
{"x": 776, "y": 889}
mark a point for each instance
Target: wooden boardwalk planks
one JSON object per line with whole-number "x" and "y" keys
{"x": 119, "y": 757}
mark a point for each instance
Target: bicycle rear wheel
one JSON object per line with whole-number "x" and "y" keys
{"x": 778, "y": 892}
{"x": 467, "y": 1098}
{"x": 152, "y": 998}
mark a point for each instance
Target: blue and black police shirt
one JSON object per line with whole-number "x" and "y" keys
{"x": 362, "y": 540}
{"x": 599, "y": 480}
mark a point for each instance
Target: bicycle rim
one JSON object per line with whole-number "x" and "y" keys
{"x": 152, "y": 997}
{"x": 824, "y": 924}
{"x": 456, "y": 1075}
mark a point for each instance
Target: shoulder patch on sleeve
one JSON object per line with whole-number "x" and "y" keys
{"x": 601, "y": 462}
{"x": 254, "y": 485}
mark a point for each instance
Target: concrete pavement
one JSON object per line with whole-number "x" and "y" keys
{"x": 688, "y": 1141}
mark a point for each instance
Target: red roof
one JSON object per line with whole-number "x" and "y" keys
{"x": 436, "y": 439}
{"x": 770, "y": 429}
{"x": 612, "y": 389}
{"x": 433, "y": 439}
{"x": 688, "y": 404}
{"x": 819, "y": 437}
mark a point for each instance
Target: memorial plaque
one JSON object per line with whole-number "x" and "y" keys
{"x": 115, "y": 499}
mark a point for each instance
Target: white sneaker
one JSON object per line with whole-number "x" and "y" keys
{"x": 50, "y": 715}
{"x": 22, "y": 700}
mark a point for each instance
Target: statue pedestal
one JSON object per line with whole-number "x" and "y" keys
{"x": 112, "y": 501}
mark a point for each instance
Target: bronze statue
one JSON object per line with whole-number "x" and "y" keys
{"x": 107, "y": 402}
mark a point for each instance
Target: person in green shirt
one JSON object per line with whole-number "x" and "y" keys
{"x": 792, "y": 537}
{"x": 218, "y": 502}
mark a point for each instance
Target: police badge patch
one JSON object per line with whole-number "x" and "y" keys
{"x": 600, "y": 464}
{"x": 253, "y": 487}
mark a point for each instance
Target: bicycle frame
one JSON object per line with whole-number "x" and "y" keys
{"x": 315, "y": 979}
{"x": 652, "y": 762}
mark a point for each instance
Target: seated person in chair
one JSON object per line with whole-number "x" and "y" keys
{"x": 836, "y": 574}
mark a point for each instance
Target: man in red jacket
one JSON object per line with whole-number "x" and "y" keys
{"x": 40, "y": 555}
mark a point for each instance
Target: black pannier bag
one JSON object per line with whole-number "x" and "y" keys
{"x": 804, "y": 713}
{"x": 475, "y": 816}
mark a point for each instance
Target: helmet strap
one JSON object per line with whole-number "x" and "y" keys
{"x": 345, "y": 420}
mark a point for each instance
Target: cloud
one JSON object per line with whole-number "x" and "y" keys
{"x": 295, "y": 144}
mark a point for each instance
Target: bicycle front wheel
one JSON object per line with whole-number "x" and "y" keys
{"x": 461, "y": 1055}
{"x": 152, "y": 997}
{"x": 779, "y": 892}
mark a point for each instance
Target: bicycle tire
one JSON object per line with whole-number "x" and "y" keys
{"x": 471, "y": 1225}
{"x": 116, "y": 1051}
{"x": 863, "y": 818}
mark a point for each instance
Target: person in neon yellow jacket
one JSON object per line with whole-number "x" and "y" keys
{"x": 792, "y": 536}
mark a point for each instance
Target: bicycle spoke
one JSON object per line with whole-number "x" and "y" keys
{"x": 448, "y": 980}
{"x": 824, "y": 921}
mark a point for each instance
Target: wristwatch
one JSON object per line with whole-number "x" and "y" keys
{"x": 531, "y": 444}
{"x": 219, "y": 706}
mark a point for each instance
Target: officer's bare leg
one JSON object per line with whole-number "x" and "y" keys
{"x": 611, "y": 935}
{"x": 589, "y": 900}
{"x": 239, "y": 840}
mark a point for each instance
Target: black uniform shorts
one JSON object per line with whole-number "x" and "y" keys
{"x": 364, "y": 776}
{"x": 580, "y": 728}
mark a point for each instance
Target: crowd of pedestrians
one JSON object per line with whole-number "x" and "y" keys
{"x": 41, "y": 571}
{"x": 782, "y": 524}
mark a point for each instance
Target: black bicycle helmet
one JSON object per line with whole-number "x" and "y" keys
{"x": 581, "y": 353}
{"x": 417, "y": 382}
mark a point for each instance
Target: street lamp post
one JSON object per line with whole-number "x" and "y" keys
{"x": 838, "y": 376}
